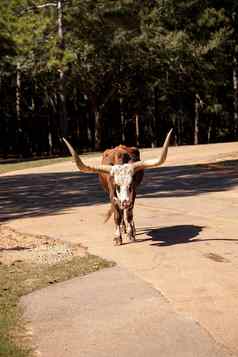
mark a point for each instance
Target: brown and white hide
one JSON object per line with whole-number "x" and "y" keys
{"x": 122, "y": 209}
{"x": 120, "y": 173}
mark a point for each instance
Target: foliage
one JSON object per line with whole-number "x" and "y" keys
{"x": 113, "y": 60}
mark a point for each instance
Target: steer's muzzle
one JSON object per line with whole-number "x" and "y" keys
{"x": 125, "y": 204}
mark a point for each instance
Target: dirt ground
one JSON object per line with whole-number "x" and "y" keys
{"x": 39, "y": 249}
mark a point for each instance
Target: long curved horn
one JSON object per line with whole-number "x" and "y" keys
{"x": 87, "y": 168}
{"x": 147, "y": 164}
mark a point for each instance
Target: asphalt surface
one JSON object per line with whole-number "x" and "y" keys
{"x": 187, "y": 243}
{"x": 112, "y": 313}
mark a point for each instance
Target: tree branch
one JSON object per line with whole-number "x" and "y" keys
{"x": 36, "y": 7}
{"x": 46, "y": 5}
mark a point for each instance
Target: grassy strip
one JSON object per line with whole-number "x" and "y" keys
{"x": 21, "y": 165}
{"x": 6, "y": 167}
{"x": 22, "y": 278}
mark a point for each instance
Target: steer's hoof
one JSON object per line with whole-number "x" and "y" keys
{"x": 117, "y": 241}
{"x": 131, "y": 237}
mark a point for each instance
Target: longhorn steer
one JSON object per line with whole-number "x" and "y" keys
{"x": 120, "y": 173}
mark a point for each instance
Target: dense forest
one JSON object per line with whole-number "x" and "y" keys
{"x": 104, "y": 72}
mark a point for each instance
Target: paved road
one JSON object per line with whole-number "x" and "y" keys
{"x": 186, "y": 217}
{"x": 113, "y": 313}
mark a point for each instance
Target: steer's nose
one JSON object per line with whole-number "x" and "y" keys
{"x": 125, "y": 203}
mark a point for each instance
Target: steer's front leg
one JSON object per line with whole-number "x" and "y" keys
{"x": 118, "y": 217}
{"x": 131, "y": 231}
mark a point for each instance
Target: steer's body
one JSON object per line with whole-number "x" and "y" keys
{"x": 120, "y": 173}
{"x": 123, "y": 216}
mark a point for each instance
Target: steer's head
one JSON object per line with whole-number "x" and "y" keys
{"x": 122, "y": 174}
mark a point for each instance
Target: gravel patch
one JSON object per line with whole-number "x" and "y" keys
{"x": 16, "y": 246}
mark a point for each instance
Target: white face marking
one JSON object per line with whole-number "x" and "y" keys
{"x": 123, "y": 176}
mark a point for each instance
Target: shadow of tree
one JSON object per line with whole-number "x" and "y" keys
{"x": 31, "y": 195}
{"x": 190, "y": 180}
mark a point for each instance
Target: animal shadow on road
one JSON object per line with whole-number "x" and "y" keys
{"x": 167, "y": 236}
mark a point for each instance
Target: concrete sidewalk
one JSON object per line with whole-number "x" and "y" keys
{"x": 112, "y": 313}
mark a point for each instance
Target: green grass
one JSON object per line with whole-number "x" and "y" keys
{"x": 21, "y": 278}
{"x": 6, "y": 166}
{"x": 21, "y": 165}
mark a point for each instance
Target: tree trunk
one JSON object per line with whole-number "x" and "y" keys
{"x": 89, "y": 134}
{"x": 182, "y": 127}
{"x": 196, "y": 119}
{"x": 89, "y": 130}
{"x": 152, "y": 131}
{"x": 137, "y": 130}
{"x": 209, "y": 131}
{"x": 62, "y": 106}
{"x": 18, "y": 96}
{"x": 156, "y": 117}
{"x": 174, "y": 121}
{"x": 50, "y": 138}
{"x": 98, "y": 130}
{"x": 179, "y": 128}
{"x": 122, "y": 116}
{"x": 62, "y": 103}
{"x": 19, "y": 133}
{"x": 235, "y": 91}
